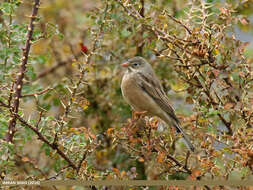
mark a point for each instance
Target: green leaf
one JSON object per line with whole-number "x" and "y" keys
{"x": 125, "y": 33}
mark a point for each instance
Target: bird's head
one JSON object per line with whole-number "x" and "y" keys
{"x": 137, "y": 64}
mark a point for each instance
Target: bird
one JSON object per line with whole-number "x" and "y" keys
{"x": 142, "y": 90}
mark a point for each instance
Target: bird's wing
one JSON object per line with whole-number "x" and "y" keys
{"x": 154, "y": 89}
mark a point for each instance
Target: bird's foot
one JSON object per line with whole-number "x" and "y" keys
{"x": 137, "y": 115}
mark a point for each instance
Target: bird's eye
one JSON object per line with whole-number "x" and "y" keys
{"x": 135, "y": 64}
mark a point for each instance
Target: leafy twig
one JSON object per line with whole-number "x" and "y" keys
{"x": 54, "y": 146}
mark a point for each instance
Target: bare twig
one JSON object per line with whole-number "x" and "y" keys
{"x": 38, "y": 122}
{"x": 180, "y": 23}
{"x": 19, "y": 82}
{"x": 56, "y": 175}
{"x": 140, "y": 46}
{"x": 179, "y": 164}
{"x": 186, "y": 159}
{"x": 3, "y": 104}
{"x": 58, "y": 65}
{"x": 37, "y": 93}
{"x": 81, "y": 161}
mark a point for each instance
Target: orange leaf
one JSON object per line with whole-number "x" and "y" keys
{"x": 196, "y": 173}
{"x": 123, "y": 173}
{"x": 25, "y": 159}
{"x": 116, "y": 170}
{"x": 228, "y": 105}
{"x": 160, "y": 157}
{"x": 141, "y": 159}
{"x": 109, "y": 131}
{"x": 216, "y": 72}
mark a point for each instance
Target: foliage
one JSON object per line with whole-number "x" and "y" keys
{"x": 63, "y": 95}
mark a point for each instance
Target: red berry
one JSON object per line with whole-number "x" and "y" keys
{"x": 84, "y": 49}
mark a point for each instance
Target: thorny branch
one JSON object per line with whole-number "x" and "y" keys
{"x": 178, "y": 43}
{"x": 20, "y": 76}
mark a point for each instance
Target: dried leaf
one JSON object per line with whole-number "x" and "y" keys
{"x": 228, "y": 105}
{"x": 160, "y": 157}
{"x": 109, "y": 131}
{"x": 244, "y": 21}
{"x": 116, "y": 170}
{"x": 25, "y": 159}
{"x": 141, "y": 159}
{"x": 189, "y": 100}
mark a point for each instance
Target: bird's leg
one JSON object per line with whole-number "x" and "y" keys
{"x": 136, "y": 115}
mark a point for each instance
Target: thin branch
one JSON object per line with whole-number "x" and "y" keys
{"x": 30, "y": 162}
{"x": 192, "y": 65}
{"x": 81, "y": 161}
{"x": 184, "y": 167}
{"x": 140, "y": 46}
{"x": 54, "y": 146}
{"x": 186, "y": 159}
{"x": 37, "y": 93}
{"x": 57, "y": 66}
{"x": 180, "y": 23}
{"x": 57, "y": 174}
{"x": 11, "y": 95}
{"x": 212, "y": 101}
{"x": 37, "y": 125}
{"x": 19, "y": 82}
{"x": 4, "y": 104}
{"x": 179, "y": 164}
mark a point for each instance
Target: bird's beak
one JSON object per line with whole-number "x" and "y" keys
{"x": 125, "y": 64}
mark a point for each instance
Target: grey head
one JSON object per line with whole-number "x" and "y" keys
{"x": 138, "y": 64}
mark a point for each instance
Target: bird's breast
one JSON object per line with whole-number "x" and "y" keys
{"x": 138, "y": 99}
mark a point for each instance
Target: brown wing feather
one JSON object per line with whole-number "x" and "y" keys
{"x": 154, "y": 89}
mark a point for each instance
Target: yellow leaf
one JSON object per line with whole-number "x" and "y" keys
{"x": 178, "y": 86}
{"x": 161, "y": 17}
{"x": 85, "y": 107}
{"x": 165, "y": 26}
{"x": 84, "y": 104}
{"x": 170, "y": 45}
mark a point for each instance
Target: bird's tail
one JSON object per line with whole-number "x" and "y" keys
{"x": 187, "y": 142}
